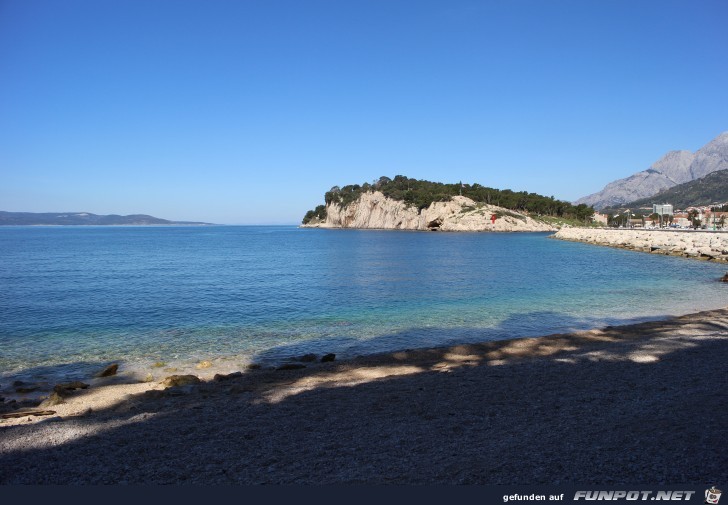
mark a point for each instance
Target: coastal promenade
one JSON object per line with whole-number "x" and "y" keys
{"x": 703, "y": 245}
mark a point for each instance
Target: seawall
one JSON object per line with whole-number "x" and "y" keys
{"x": 690, "y": 244}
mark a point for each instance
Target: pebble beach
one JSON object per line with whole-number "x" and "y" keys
{"x": 641, "y": 403}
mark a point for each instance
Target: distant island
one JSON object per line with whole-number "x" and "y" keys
{"x": 402, "y": 203}
{"x": 83, "y": 218}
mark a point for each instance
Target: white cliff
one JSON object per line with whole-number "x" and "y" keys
{"x": 373, "y": 210}
{"x": 690, "y": 244}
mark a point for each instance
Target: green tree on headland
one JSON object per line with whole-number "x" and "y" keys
{"x": 421, "y": 193}
{"x": 318, "y": 213}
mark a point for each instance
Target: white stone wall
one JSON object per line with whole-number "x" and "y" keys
{"x": 692, "y": 244}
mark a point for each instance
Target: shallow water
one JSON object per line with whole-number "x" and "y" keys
{"x": 75, "y": 298}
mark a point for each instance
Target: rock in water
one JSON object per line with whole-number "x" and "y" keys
{"x": 307, "y": 358}
{"x": 203, "y": 364}
{"x": 27, "y": 390}
{"x": 180, "y": 380}
{"x": 328, "y": 357}
{"x": 724, "y": 278}
{"x": 108, "y": 371}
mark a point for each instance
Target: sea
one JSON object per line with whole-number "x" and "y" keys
{"x": 166, "y": 298}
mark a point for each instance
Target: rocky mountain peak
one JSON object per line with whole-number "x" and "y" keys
{"x": 675, "y": 167}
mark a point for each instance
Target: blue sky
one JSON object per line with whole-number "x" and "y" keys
{"x": 246, "y": 112}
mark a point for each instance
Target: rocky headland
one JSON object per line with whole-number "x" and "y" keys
{"x": 374, "y": 210}
{"x": 700, "y": 245}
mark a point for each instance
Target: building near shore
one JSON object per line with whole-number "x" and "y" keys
{"x": 600, "y": 218}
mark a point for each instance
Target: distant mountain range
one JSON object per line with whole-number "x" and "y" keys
{"x": 713, "y": 188}
{"x": 676, "y": 167}
{"x": 83, "y": 218}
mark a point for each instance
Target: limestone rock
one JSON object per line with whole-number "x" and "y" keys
{"x": 373, "y": 210}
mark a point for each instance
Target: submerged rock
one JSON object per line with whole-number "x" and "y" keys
{"x": 307, "y": 358}
{"x": 328, "y": 357}
{"x": 108, "y": 371}
{"x": 253, "y": 366}
{"x": 180, "y": 380}
{"x": 24, "y": 390}
{"x": 203, "y": 364}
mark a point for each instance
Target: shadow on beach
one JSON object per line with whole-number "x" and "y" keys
{"x": 640, "y": 403}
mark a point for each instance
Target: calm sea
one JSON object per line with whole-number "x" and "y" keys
{"x": 75, "y": 298}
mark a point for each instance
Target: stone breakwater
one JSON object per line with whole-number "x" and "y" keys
{"x": 374, "y": 210}
{"x": 700, "y": 245}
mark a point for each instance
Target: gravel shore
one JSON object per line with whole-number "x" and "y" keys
{"x": 642, "y": 403}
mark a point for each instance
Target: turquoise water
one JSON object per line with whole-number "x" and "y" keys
{"x": 73, "y": 298}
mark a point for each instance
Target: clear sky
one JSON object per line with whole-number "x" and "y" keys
{"x": 247, "y": 111}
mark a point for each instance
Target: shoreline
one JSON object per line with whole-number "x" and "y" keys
{"x": 355, "y": 399}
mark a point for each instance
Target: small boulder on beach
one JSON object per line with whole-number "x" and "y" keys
{"x": 180, "y": 380}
